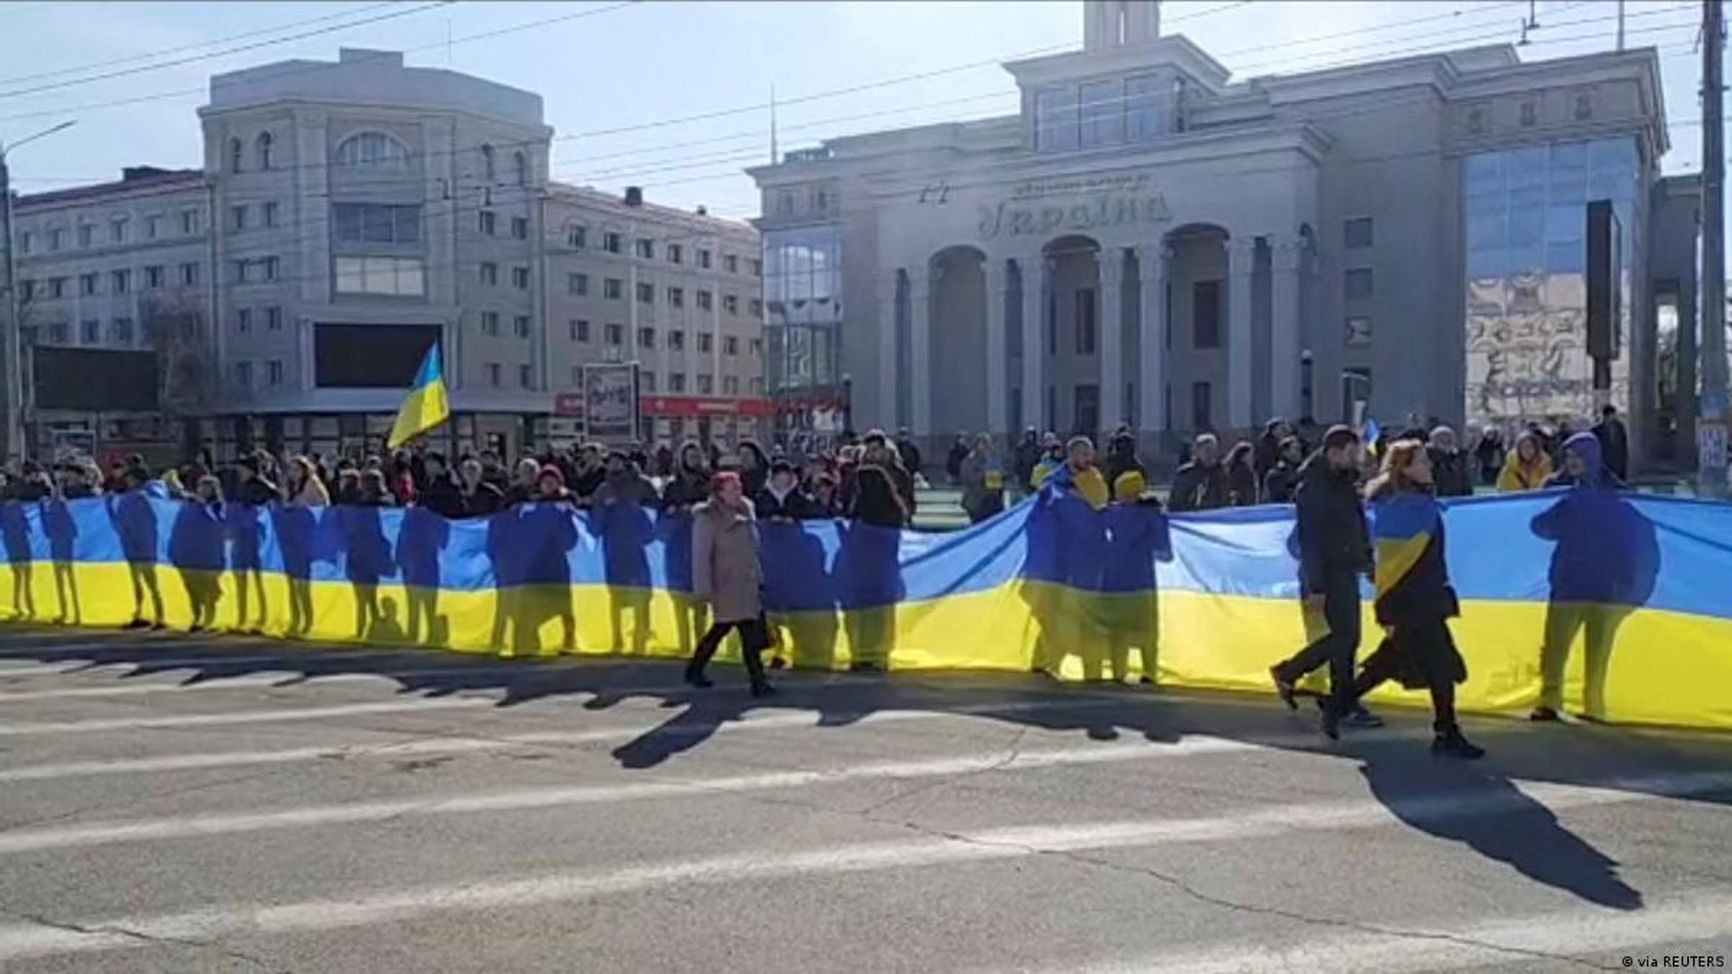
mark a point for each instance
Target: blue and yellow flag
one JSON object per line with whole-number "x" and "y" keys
{"x": 1372, "y": 432}
{"x": 425, "y": 407}
{"x": 1402, "y": 526}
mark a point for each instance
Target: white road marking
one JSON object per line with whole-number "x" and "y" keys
{"x": 22, "y": 728}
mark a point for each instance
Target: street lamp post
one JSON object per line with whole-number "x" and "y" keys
{"x": 12, "y": 436}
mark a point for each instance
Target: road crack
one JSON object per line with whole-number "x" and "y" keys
{"x": 157, "y": 940}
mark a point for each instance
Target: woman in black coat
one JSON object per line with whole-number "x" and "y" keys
{"x": 1414, "y": 599}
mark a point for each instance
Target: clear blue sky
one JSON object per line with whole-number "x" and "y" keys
{"x": 651, "y": 62}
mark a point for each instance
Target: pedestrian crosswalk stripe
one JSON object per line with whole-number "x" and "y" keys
{"x": 103, "y": 724}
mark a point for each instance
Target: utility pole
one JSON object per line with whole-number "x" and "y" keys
{"x": 1711, "y": 428}
{"x": 12, "y": 431}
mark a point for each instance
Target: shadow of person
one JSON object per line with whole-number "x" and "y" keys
{"x": 246, "y": 557}
{"x": 1063, "y": 573}
{"x": 1490, "y": 815}
{"x": 421, "y": 537}
{"x": 538, "y": 560}
{"x": 800, "y": 591}
{"x": 15, "y": 530}
{"x": 134, "y": 521}
{"x": 703, "y": 715}
{"x": 868, "y": 586}
{"x": 691, "y": 617}
{"x": 195, "y": 549}
{"x": 366, "y": 560}
{"x": 626, "y": 530}
{"x": 509, "y": 566}
{"x": 296, "y": 530}
{"x": 1603, "y": 567}
{"x": 387, "y": 628}
{"x": 61, "y": 526}
{"x": 1138, "y": 535}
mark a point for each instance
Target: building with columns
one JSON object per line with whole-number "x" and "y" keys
{"x": 1151, "y": 241}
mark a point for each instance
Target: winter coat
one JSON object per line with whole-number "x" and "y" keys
{"x": 1241, "y": 485}
{"x": 312, "y": 494}
{"x": 982, "y": 478}
{"x": 1333, "y": 542}
{"x": 795, "y": 505}
{"x": 258, "y": 492}
{"x": 486, "y": 499}
{"x": 1023, "y": 462}
{"x": 627, "y": 488}
{"x": 442, "y": 496}
{"x": 1607, "y": 551}
{"x": 726, "y": 572}
{"x": 1449, "y": 471}
{"x": 1615, "y": 446}
{"x": 1198, "y": 488}
{"x": 1414, "y": 597}
{"x": 1279, "y": 483}
{"x": 1517, "y": 476}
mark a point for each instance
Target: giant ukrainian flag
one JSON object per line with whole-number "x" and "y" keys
{"x": 425, "y": 407}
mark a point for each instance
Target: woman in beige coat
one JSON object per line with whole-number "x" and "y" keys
{"x": 726, "y": 574}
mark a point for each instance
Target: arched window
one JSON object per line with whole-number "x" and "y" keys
{"x": 487, "y": 169}
{"x": 520, "y": 169}
{"x": 235, "y": 151}
{"x": 372, "y": 150}
{"x": 263, "y": 147}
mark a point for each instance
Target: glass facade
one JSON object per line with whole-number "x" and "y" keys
{"x": 803, "y": 305}
{"x": 1525, "y": 230}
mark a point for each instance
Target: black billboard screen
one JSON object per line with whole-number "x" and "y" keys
{"x": 95, "y": 380}
{"x": 369, "y": 356}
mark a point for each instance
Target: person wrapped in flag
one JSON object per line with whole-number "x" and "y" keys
{"x": 1414, "y": 598}
{"x": 426, "y": 406}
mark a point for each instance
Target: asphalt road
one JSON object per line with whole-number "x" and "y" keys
{"x": 169, "y": 804}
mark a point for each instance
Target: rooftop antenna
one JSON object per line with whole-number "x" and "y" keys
{"x": 1532, "y": 23}
{"x": 1620, "y": 25}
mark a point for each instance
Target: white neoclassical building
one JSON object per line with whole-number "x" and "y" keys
{"x": 1151, "y": 241}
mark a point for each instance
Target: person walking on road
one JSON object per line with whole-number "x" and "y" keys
{"x": 1334, "y": 550}
{"x": 1414, "y": 599}
{"x": 726, "y": 574}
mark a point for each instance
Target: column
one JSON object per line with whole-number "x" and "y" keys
{"x": 921, "y": 283}
{"x": 1110, "y": 316}
{"x": 885, "y": 416}
{"x": 1152, "y": 365}
{"x": 1284, "y": 339}
{"x": 1241, "y": 259}
{"x": 997, "y": 292}
{"x": 1033, "y": 270}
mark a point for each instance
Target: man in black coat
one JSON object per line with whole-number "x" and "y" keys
{"x": 1025, "y": 459}
{"x": 480, "y": 496}
{"x": 439, "y": 493}
{"x": 1334, "y": 551}
{"x": 909, "y": 452}
{"x": 254, "y": 488}
{"x": 1614, "y": 442}
{"x": 1450, "y": 470}
{"x": 1201, "y": 484}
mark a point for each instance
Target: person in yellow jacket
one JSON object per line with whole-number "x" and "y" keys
{"x": 1526, "y": 467}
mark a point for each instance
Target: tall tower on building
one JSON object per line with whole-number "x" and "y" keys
{"x": 1119, "y": 23}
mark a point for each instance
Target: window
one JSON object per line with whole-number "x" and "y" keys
{"x": 243, "y": 320}
{"x": 706, "y": 300}
{"x": 757, "y": 308}
{"x": 1055, "y": 119}
{"x": 493, "y": 374}
{"x": 372, "y": 150}
{"x": 86, "y": 232}
{"x": 731, "y": 385}
{"x": 262, "y": 148}
{"x": 1206, "y": 314}
{"x": 489, "y": 169}
{"x": 87, "y": 284}
{"x": 1085, "y": 330}
{"x": 153, "y": 276}
{"x": 520, "y": 326}
{"x": 676, "y": 253}
{"x": 616, "y": 334}
{"x": 244, "y": 375}
{"x": 758, "y": 347}
{"x": 489, "y": 322}
{"x": 1202, "y": 417}
{"x": 731, "y": 303}
{"x": 24, "y": 242}
{"x": 56, "y": 238}
{"x": 57, "y": 287}
{"x": 489, "y": 273}
{"x": 189, "y": 222}
{"x": 1102, "y": 117}
{"x": 677, "y": 340}
{"x": 1358, "y": 331}
{"x": 610, "y": 242}
{"x": 730, "y": 345}
{"x": 706, "y": 385}
{"x": 1584, "y": 107}
{"x": 757, "y": 385}
{"x": 1529, "y": 114}
{"x": 235, "y": 152}
{"x": 398, "y": 276}
{"x": 520, "y": 173}
{"x": 487, "y": 223}
{"x": 1355, "y": 388}
{"x": 238, "y": 217}
{"x": 26, "y": 289}
{"x": 268, "y": 214}
{"x": 524, "y": 377}
{"x": 577, "y": 283}
{"x": 646, "y": 248}
{"x": 273, "y": 318}
{"x": 579, "y": 329}
{"x": 784, "y": 202}
{"x": 731, "y": 264}
{"x": 59, "y": 333}
{"x": 706, "y": 342}
{"x": 703, "y": 258}
{"x": 189, "y": 275}
{"x": 646, "y": 381}
{"x": 120, "y": 331}
{"x": 1476, "y": 120}
{"x": 576, "y": 236}
{"x": 520, "y": 278}
{"x": 646, "y": 338}
{"x": 676, "y": 297}
{"x": 520, "y": 227}
{"x": 121, "y": 281}
{"x": 757, "y": 267}
{"x": 90, "y": 331}
{"x": 1143, "y": 109}
{"x": 376, "y": 223}
{"x": 1356, "y": 234}
{"x": 676, "y": 382}
{"x": 612, "y": 288}
{"x": 274, "y": 372}
{"x": 272, "y": 268}
{"x": 117, "y": 230}
{"x": 1357, "y": 284}
{"x": 152, "y": 226}
{"x": 1086, "y": 407}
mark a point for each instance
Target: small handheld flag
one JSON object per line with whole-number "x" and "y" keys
{"x": 1372, "y": 432}
{"x": 425, "y": 407}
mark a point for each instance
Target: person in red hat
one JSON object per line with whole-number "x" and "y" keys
{"x": 550, "y": 485}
